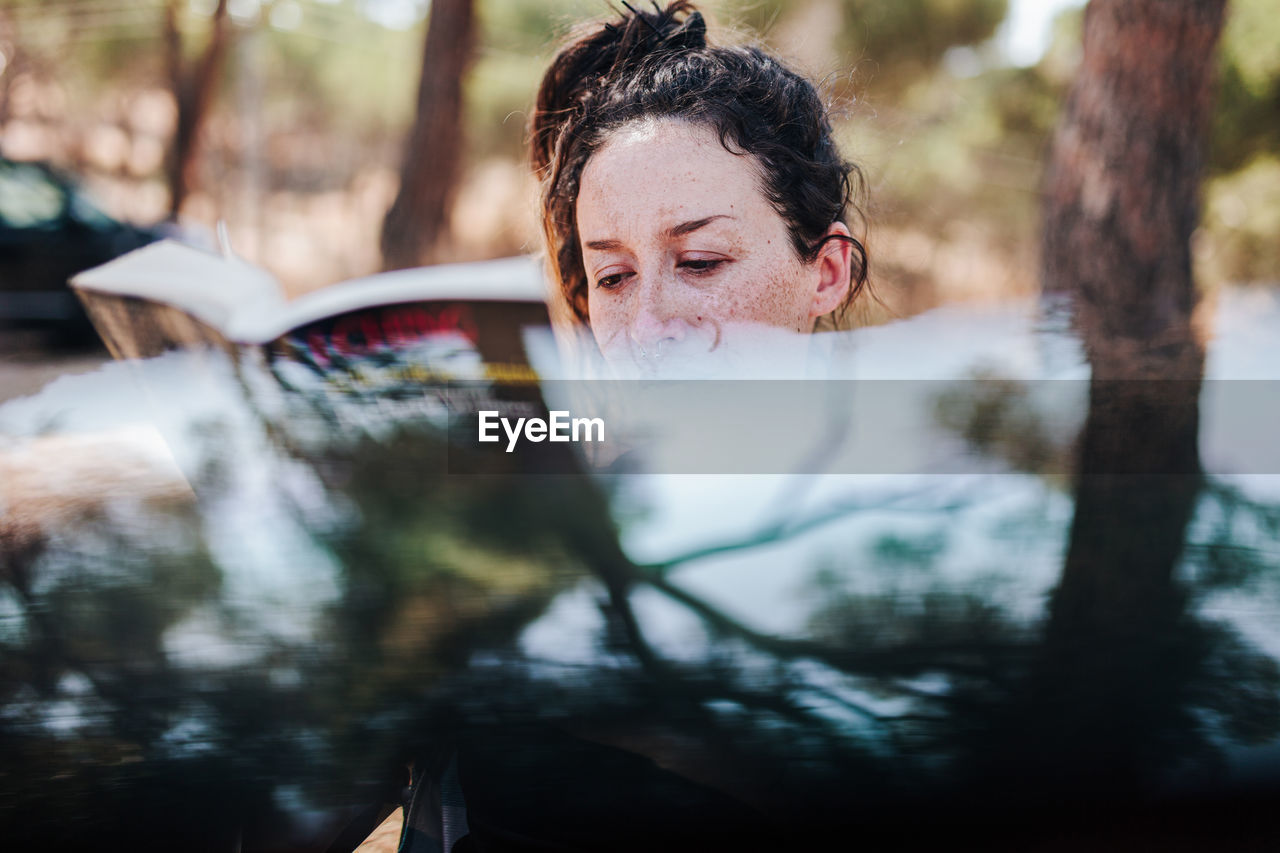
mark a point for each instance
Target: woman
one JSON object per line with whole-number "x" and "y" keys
{"x": 690, "y": 191}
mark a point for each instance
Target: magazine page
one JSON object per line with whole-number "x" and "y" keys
{"x": 170, "y": 295}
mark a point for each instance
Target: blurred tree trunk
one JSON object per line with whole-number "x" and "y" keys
{"x": 192, "y": 86}
{"x": 1122, "y": 184}
{"x": 10, "y": 64}
{"x": 1119, "y": 650}
{"x": 417, "y": 222}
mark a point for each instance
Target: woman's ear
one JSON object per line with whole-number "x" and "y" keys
{"x": 832, "y": 267}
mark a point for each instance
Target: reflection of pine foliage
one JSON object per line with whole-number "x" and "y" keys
{"x": 1239, "y": 691}
{"x": 976, "y": 682}
{"x": 942, "y": 620}
{"x": 1234, "y": 542}
{"x": 997, "y": 417}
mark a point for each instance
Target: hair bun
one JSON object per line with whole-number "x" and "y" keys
{"x": 603, "y": 53}
{"x": 642, "y": 33}
{"x": 690, "y": 35}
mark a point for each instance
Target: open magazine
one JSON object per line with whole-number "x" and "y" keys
{"x": 465, "y": 320}
{"x": 435, "y": 344}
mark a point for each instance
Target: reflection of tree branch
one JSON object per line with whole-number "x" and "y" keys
{"x": 694, "y": 689}
{"x": 1236, "y": 497}
{"x": 786, "y": 703}
{"x": 620, "y": 601}
{"x": 784, "y": 530}
{"x": 847, "y": 703}
{"x": 779, "y": 703}
{"x": 892, "y": 661}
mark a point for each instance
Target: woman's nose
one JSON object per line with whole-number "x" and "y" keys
{"x": 658, "y": 318}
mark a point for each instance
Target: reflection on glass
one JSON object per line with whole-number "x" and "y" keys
{"x": 249, "y": 644}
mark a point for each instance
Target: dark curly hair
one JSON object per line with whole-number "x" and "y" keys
{"x": 659, "y": 64}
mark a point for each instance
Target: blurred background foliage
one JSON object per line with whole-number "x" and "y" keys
{"x": 302, "y": 146}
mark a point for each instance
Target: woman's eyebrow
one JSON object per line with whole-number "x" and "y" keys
{"x": 604, "y": 245}
{"x": 694, "y": 224}
{"x": 675, "y": 231}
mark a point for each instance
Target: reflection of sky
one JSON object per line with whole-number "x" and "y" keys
{"x": 1006, "y": 533}
{"x": 188, "y": 404}
{"x": 1002, "y": 535}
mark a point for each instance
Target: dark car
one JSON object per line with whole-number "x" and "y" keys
{"x": 49, "y": 231}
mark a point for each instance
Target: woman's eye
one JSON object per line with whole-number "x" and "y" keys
{"x": 612, "y": 281}
{"x": 701, "y": 266}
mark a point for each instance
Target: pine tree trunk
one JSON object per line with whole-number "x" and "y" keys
{"x": 193, "y": 93}
{"x": 1123, "y": 179}
{"x": 417, "y": 223}
{"x": 1118, "y": 650}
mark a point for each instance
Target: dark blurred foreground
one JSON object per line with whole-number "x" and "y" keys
{"x": 230, "y": 620}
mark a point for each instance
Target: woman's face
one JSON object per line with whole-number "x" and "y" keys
{"x": 684, "y": 254}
